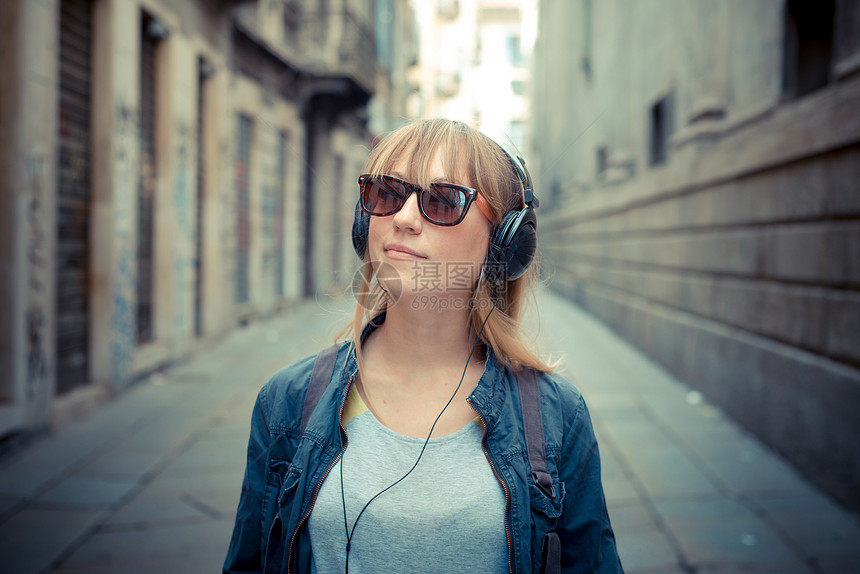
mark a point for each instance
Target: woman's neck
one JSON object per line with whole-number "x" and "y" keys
{"x": 414, "y": 365}
{"x": 423, "y": 340}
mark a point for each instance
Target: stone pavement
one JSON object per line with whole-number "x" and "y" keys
{"x": 149, "y": 483}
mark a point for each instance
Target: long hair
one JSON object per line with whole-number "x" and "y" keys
{"x": 488, "y": 170}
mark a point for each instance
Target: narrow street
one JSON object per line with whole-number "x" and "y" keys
{"x": 149, "y": 483}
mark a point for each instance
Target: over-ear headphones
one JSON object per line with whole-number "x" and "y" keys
{"x": 360, "y": 229}
{"x": 514, "y": 242}
{"x": 513, "y": 246}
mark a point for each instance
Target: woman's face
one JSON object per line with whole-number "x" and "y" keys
{"x": 429, "y": 259}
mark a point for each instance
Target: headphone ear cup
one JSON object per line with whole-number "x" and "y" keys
{"x": 521, "y": 251}
{"x": 360, "y": 228}
{"x": 513, "y": 246}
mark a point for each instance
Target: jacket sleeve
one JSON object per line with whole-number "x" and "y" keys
{"x": 585, "y": 533}
{"x": 245, "y": 551}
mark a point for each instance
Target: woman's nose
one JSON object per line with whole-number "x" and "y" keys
{"x": 409, "y": 216}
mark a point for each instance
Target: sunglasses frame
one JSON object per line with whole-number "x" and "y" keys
{"x": 471, "y": 195}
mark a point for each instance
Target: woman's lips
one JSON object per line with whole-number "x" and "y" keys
{"x": 397, "y": 251}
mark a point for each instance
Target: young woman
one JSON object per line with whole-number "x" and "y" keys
{"x": 422, "y": 449}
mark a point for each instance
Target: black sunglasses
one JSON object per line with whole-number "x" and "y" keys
{"x": 443, "y": 204}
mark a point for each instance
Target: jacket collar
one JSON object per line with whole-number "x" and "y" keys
{"x": 490, "y": 392}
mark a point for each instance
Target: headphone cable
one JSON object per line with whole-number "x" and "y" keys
{"x": 349, "y": 532}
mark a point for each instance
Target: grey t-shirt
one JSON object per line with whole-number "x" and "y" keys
{"x": 447, "y": 516}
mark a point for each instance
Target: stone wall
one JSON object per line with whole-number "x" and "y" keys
{"x": 734, "y": 261}
{"x": 212, "y": 63}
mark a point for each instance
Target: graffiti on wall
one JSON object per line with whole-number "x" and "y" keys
{"x": 124, "y": 284}
{"x": 38, "y": 366}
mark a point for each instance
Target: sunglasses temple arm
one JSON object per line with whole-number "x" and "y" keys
{"x": 484, "y": 207}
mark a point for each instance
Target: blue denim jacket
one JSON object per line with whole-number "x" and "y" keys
{"x": 286, "y": 468}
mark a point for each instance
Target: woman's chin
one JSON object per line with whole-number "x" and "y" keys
{"x": 428, "y": 301}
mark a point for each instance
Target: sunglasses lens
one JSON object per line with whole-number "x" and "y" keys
{"x": 443, "y": 204}
{"x": 382, "y": 197}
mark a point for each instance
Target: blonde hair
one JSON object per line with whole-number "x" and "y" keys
{"x": 489, "y": 170}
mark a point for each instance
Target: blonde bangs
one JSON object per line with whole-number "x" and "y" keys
{"x": 419, "y": 143}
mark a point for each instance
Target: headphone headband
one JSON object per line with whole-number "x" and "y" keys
{"x": 519, "y": 165}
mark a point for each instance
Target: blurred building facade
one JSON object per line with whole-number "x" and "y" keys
{"x": 171, "y": 171}
{"x": 397, "y": 33}
{"x": 699, "y": 169}
{"x": 474, "y": 57}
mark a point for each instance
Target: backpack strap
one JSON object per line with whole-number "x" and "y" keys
{"x": 320, "y": 378}
{"x": 550, "y": 554}
{"x": 533, "y": 428}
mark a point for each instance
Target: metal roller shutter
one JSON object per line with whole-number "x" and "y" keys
{"x": 146, "y": 188}
{"x": 73, "y": 195}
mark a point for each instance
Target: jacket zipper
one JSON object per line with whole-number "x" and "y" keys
{"x": 501, "y": 480}
{"x": 322, "y": 478}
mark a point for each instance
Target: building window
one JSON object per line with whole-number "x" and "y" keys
{"x": 243, "y": 210}
{"x": 807, "y": 46}
{"x": 554, "y": 192}
{"x": 602, "y": 160}
{"x": 660, "y": 130}
{"x": 518, "y": 87}
{"x": 280, "y": 262}
{"x": 292, "y": 16}
{"x": 515, "y": 54}
{"x": 585, "y": 63}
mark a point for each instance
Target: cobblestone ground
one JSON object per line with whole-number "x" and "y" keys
{"x": 149, "y": 483}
